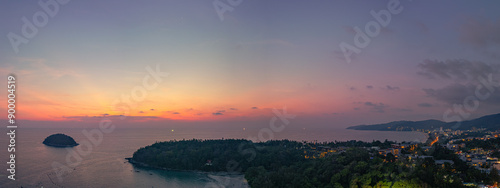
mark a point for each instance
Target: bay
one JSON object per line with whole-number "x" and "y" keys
{"x": 103, "y": 164}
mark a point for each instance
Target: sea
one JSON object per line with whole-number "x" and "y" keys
{"x": 103, "y": 164}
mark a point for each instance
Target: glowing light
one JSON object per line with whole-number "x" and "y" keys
{"x": 434, "y": 141}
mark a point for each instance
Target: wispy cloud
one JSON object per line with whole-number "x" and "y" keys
{"x": 38, "y": 67}
{"x": 391, "y": 88}
{"x": 380, "y": 107}
{"x": 452, "y": 94}
{"x": 218, "y": 113}
{"x": 464, "y": 76}
{"x": 481, "y": 32}
{"x": 455, "y": 69}
{"x": 425, "y": 105}
{"x": 402, "y": 109}
{"x": 97, "y": 118}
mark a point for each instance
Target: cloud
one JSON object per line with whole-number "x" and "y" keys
{"x": 380, "y": 107}
{"x": 141, "y": 112}
{"x": 403, "y": 110}
{"x": 455, "y": 69}
{"x": 466, "y": 76}
{"x": 480, "y": 32}
{"x": 90, "y": 118}
{"x": 482, "y": 35}
{"x": 457, "y": 93}
{"x": 352, "y": 88}
{"x": 39, "y": 67}
{"x": 172, "y": 112}
{"x": 452, "y": 94}
{"x": 392, "y": 88}
{"x": 218, "y": 113}
{"x": 152, "y": 109}
{"x": 369, "y": 87}
{"x": 104, "y": 114}
{"x": 233, "y": 109}
{"x": 425, "y": 105}
{"x": 255, "y": 108}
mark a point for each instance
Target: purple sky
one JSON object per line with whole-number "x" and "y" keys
{"x": 423, "y": 63}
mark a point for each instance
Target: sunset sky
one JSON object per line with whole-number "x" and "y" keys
{"x": 262, "y": 55}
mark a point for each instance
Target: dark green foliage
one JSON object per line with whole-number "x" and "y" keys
{"x": 353, "y": 168}
{"x": 494, "y": 176}
{"x": 282, "y": 164}
{"x": 496, "y": 154}
{"x": 194, "y": 154}
{"x": 60, "y": 140}
{"x": 354, "y": 143}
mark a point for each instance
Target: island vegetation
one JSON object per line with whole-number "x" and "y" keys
{"x": 60, "y": 140}
{"x": 489, "y": 122}
{"x": 287, "y": 163}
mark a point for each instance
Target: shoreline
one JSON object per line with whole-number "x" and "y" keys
{"x": 222, "y": 178}
{"x": 218, "y": 173}
{"x": 60, "y": 145}
{"x": 426, "y": 134}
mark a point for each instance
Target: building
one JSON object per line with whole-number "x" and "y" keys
{"x": 443, "y": 162}
{"x": 384, "y": 152}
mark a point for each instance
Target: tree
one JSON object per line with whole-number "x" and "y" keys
{"x": 390, "y": 157}
{"x": 494, "y": 176}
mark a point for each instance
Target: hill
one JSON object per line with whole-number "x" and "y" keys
{"x": 283, "y": 163}
{"x": 60, "y": 140}
{"x": 489, "y": 122}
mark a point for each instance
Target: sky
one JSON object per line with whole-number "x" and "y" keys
{"x": 234, "y": 61}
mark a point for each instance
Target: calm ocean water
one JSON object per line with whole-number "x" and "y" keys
{"x": 105, "y": 165}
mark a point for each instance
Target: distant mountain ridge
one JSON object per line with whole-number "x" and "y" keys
{"x": 489, "y": 122}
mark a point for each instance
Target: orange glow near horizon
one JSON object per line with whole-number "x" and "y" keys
{"x": 53, "y": 107}
{"x": 192, "y": 101}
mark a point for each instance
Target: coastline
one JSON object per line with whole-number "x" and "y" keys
{"x": 221, "y": 177}
{"x": 426, "y": 134}
{"x": 219, "y": 173}
{"x": 60, "y": 145}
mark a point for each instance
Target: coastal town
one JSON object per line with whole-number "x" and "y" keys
{"x": 478, "y": 148}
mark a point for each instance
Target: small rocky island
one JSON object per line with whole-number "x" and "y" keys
{"x": 60, "y": 140}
